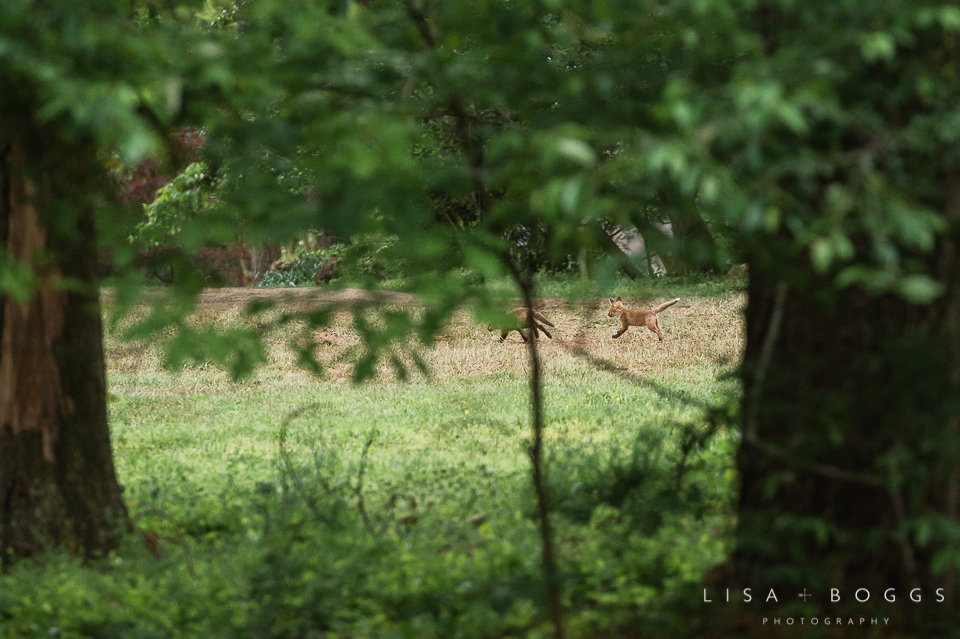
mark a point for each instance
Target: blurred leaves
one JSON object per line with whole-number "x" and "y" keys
{"x": 191, "y": 193}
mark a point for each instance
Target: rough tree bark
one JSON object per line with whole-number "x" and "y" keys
{"x": 261, "y": 257}
{"x": 851, "y": 428}
{"x": 58, "y": 485}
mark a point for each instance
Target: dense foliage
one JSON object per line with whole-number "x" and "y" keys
{"x": 487, "y": 137}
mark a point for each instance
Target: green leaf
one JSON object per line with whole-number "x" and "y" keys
{"x": 16, "y": 278}
{"x": 920, "y": 289}
{"x": 877, "y": 46}
{"x": 577, "y": 151}
{"x": 793, "y": 118}
{"x": 570, "y": 197}
{"x": 949, "y": 17}
{"x": 821, "y": 254}
{"x": 487, "y": 264}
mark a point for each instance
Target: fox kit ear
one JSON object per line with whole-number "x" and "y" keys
{"x": 619, "y": 300}
{"x": 611, "y": 299}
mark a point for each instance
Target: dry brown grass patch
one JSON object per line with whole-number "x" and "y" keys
{"x": 698, "y": 332}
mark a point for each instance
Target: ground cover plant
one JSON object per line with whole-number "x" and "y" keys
{"x": 284, "y": 505}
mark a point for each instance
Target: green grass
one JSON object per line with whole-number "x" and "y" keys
{"x": 287, "y": 506}
{"x": 574, "y": 287}
{"x": 641, "y": 288}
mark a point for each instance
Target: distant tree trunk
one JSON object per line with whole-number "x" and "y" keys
{"x": 625, "y": 247}
{"x": 629, "y": 248}
{"x": 851, "y": 428}
{"x": 57, "y": 480}
{"x": 694, "y": 249}
{"x": 261, "y": 257}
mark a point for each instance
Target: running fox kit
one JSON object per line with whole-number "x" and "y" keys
{"x": 520, "y": 314}
{"x": 630, "y": 318}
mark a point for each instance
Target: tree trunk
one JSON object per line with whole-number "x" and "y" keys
{"x": 851, "y": 436}
{"x": 693, "y": 249}
{"x": 57, "y": 480}
{"x": 625, "y": 248}
{"x": 261, "y": 257}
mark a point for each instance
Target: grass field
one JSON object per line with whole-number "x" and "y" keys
{"x": 284, "y": 505}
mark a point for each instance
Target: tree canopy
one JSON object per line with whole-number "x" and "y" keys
{"x": 823, "y": 138}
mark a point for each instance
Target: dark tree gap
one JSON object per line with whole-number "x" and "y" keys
{"x": 851, "y": 431}
{"x": 58, "y": 484}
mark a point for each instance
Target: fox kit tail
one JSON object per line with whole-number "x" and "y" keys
{"x": 665, "y": 305}
{"x": 540, "y": 318}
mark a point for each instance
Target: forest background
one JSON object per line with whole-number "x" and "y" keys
{"x": 463, "y": 150}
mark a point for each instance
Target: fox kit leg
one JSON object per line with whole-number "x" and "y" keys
{"x": 543, "y": 330}
{"x": 623, "y": 329}
{"x": 654, "y": 326}
{"x": 503, "y": 334}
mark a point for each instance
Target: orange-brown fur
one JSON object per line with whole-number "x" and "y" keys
{"x": 520, "y": 314}
{"x": 630, "y": 318}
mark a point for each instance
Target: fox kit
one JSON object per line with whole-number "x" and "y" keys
{"x": 520, "y": 314}
{"x": 637, "y": 318}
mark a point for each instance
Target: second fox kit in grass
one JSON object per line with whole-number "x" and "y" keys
{"x": 520, "y": 314}
{"x": 630, "y": 318}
